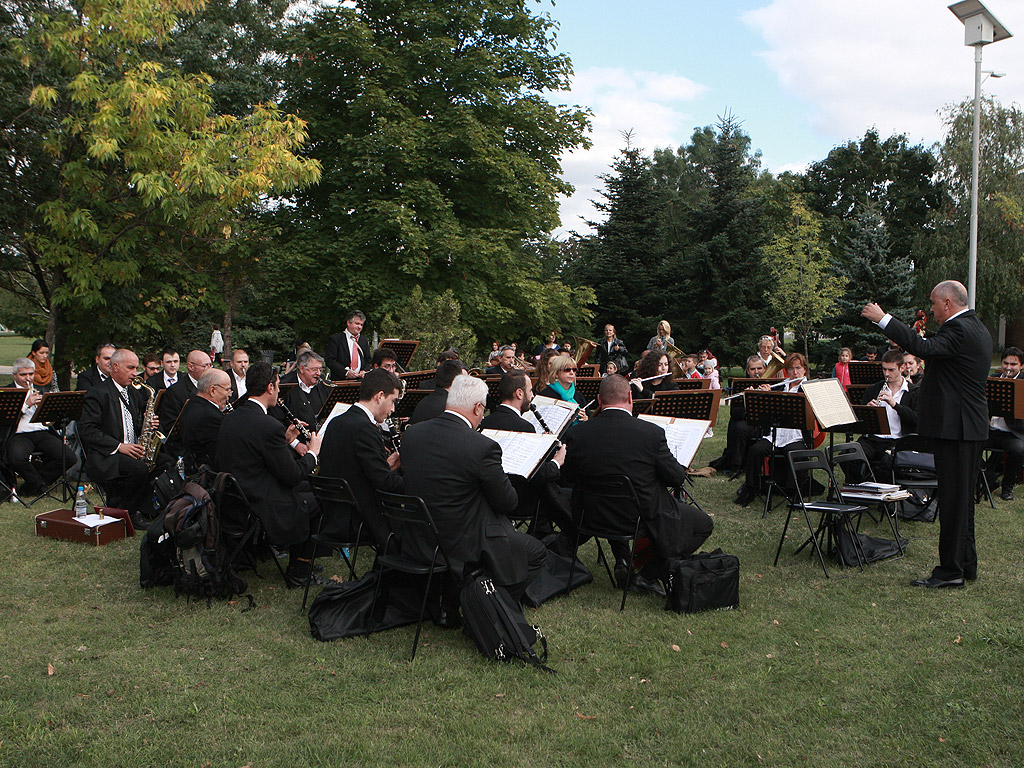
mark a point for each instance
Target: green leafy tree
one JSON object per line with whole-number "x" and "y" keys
{"x": 434, "y": 322}
{"x": 803, "y": 291}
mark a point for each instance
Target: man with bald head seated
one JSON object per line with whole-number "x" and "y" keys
{"x": 200, "y": 420}
{"x": 196, "y": 364}
{"x": 616, "y": 443}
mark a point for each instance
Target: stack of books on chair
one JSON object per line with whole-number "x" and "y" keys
{"x": 874, "y": 492}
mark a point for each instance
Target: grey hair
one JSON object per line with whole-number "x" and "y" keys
{"x": 465, "y": 392}
{"x": 305, "y": 358}
{"x": 120, "y": 355}
{"x": 22, "y": 363}
{"x": 212, "y": 377}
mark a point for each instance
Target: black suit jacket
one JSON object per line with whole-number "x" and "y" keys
{"x": 306, "y": 407}
{"x": 101, "y": 427}
{"x": 89, "y": 379}
{"x": 613, "y": 442}
{"x": 199, "y": 428}
{"x": 251, "y": 446}
{"x": 156, "y": 381}
{"x": 339, "y": 356}
{"x": 173, "y": 401}
{"x": 234, "y": 386}
{"x": 528, "y": 490}
{"x": 457, "y": 472}
{"x": 353, "y": 449}
{"x": 906, "y": 408}
{"x": 430, "y": 406}
{"x": 952, "y": 404}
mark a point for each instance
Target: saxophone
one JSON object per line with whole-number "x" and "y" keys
{"x": 151, "y": 439}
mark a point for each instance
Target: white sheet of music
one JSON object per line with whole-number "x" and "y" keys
{"x": 557, "y": 414}
{"x": 684, "y": 435}
{"x": 828, "y": 402}
{"x": 521, "y": 452}
{"x": 337, "y": 410}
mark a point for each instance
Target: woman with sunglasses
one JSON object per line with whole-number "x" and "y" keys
{"x": 560, "y": 382}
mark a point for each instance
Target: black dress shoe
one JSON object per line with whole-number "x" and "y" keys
{"x": 621, "y": 572}
{"x": 643, "y": 586}
{"x": 449, "y": 618}
{"x": 296, "y": 578}
{"x": 744, "y": 495}
{"x": 1006, "y": 495}
{"x": 935, "y": 583}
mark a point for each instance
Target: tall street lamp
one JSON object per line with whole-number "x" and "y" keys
{"x": 980, "y": 29}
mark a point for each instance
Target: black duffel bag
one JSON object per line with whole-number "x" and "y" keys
{"x": 342, "y": 609}
{"x": 554, "y": 578}
{"x": 702, "y": 582}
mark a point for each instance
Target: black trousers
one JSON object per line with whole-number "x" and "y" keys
{"x": 737, "y": 443}
{"x": 761, "y": 450}
{"x": 875, "y": 451}
{"x": 956, "y": 464}
{"x": 129, "y": 489}
{"x": 1013, "y": 447}
{"x": 23, "y": 444}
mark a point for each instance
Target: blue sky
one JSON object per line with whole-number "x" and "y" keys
{"x": 802, "y": 75}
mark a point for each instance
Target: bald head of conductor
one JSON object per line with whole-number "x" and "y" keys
{"x": 948, "y": 298}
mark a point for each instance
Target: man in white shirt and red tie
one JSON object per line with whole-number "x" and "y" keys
{"x": 348, "y": 354}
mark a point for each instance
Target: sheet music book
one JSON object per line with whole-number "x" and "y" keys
{"x": 684, "y": 435}
{"x": 521, "y": 452}
{"x": 337, "y": 410}
{"x": 828, "y": 401}
{"x": 557, "y": 414}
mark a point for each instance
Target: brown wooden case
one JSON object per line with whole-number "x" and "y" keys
{"x": 61, "y": 524}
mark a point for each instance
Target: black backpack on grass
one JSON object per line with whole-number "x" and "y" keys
{"x": 497, "y": 625}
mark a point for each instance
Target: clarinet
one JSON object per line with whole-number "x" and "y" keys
{"x": 540, "y": 419}
{"x": 304, "y": 432}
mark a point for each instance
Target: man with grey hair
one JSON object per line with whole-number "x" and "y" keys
{"x": 200, "y": 420}
{"x": 309, "y": 395}
{"x": 29, "y": 438}
{"x": 458, "y": 473}
{"x": 952, "y": 411}
{"x": 503, "y": 363}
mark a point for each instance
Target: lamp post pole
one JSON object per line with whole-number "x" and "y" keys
{"x": 972, "y": 275}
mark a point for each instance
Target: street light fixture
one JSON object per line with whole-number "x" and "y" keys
{"x": 980, "y": 29}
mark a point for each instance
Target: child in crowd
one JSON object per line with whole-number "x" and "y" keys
{"x": 842, "y": 368}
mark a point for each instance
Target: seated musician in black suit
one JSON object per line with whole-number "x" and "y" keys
{"x": 169, "y": 375}
{"x": 899, "y": 397}
{"x": 201, "y": 418}
{"x": 652, "y": 364}
{"x": 385, "y": 357}
{"x": 1007, "y": 435}
{"x": 516, "y": 393}
{"x": 196, "y": 364}
{"x": 448, "y": 354}
{"x": 354, "y": 450}
{"x": 503, "y": 362}
{"x": 272, "y": 467}
{"x": 781, "y": 442}
{"x": 433, "y": 405}
{"x": 614, "y": 442}
{"x": 100, "y": 372}
{"x": 309, "y": 395}
{"x": 29, "y": 438}
{"x": 348, "y": 354}
{"x": 457, "y": 472}
{"x": 740, "y": 433}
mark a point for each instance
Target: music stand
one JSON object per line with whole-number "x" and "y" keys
{"x": 339, "y": 393}
{"x": 285, "y": 389}
{"x": 690, "y": 385}
{"x": 586, "y": 388}
{"x": 58, "y": 409}
{"x": 589, "y": 370}
{"x": 777, "y": 410}
{"x": 855, "y": 392}
{"x": 739, "y": 384}
{"x": 1005, "y": 397}
{"x": 404, "y": 349}
{"x": 11, "y": 403}
{"x": 701, "y": 404}
{"x": 408, "y": 403}
{"x": 413, "y": 379}
{"x": 865, "y": 371}
{"x": 642, "y": 406}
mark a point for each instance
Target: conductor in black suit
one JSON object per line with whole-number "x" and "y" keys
{"x": 616, "y": 443}
{"x": 354, "y": 450}
{"x": 953, "y": 411}
{"x": 93, "y": 377}
{"x": 340, "y": 349}
{"x": 201, "y": 419}
{"x": 272, "y": 468}
{"x": 458, "y": 473}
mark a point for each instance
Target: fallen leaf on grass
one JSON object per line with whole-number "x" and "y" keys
{"x": 498, "y": 695}
{"x": 586, "y": 717}
{"x": 675, "y": 648}
{"x": 775, "y": 622}
{"x": 725, "y": 644}
{"x": 81, "y": 648}
{"x": 50, "y": 670}
{"x": 957, "y": 641}
{"x": 942, "y": 740}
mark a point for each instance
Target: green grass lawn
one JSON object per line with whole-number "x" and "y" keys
{"x": 857, "y": 670}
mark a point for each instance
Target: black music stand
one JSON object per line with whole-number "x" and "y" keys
{"x": 701, "y": 404}
{"x": 689, "y": 385}
{"x": 11, "y": 402}
{"x": 59, "y": 409}
{"x": 413, "y": 379}
{"x": 586, "y": 388}
{"x": 775, "y": 410}
{"x": 855, "y": 392}
{"x": 409, "y": 401}
{"x": 642, "y": 406}
{"x": 339, "y": 393}
{"x": 865, "y": 371}
{"x": 284, "y": 389}
{"x": 1005, "y": 397}
{"x": 404, "y": 349}
{"x": 739, "y": 384}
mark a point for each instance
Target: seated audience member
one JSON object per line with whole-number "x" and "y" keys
{"x": 309, "y": 395}
{"x": 385, "y": 358}
{"x": 781, "y": 442}
{"x": 93, "y": 377}
{"x": 614, "y": 442}
{"x": 201, "y": 418}
{"x": 353, "y": 449}
{"x": 899, "y": 397}
{"x": 503, "y": 362}
{"x": 1007, "y": 435}
{"x": 653, "y": 364}
{"x": 609, "y": 369}
{"x": 433, "y": 405}
{"x": 912, "y": 368}
{"x": 237, "y": 366}
{"x": 272, "y": 467}
{"x": 705, "y": 361}
{"x": 740, "y": 434}
{"x": 110, "y": 429}
{"x": 711, "y": 372}
{"x": 44, "y": 380}
{"x": 560, "y": 381}
{"x": 168, "y": 376}
{"x": 29, "y": 438}
{"x": 841, "y": 370}
{"x": 689, "y": 363}
{"x": 458, "y": 473}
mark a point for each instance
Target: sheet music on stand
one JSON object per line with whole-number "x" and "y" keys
{"x": 684, "y": 435}
{"x": 521, "y": 452}
{"x": 338, "y": 409}
{"x": 557, "y": 414}
{"x": 828, "y": 401}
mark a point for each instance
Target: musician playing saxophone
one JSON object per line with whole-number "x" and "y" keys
{"x": 110, "y": 429}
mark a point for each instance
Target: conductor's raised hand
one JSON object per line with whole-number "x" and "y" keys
{"x": 872, "y": 312}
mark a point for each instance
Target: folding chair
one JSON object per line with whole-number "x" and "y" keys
{"x": 240, "y": 529}
{"x": 830, "y": 513}
{"x": 912, "y": 466}
{"x": 409, "y": 516}
{"x": 616, "y": 490}
{"x": 852, "y": 454}
{"x": 338, "y": 508}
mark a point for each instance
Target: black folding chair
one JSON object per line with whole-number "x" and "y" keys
{"x": 852, "y": 454}
{"x": 409, "y": 517}
{"x": 241, "y": 530}
{"x": 339, "y": 512}
{"x": 617, "y": 490}
{"x": 912, "y": 466}
{"x": 830, "y": 513}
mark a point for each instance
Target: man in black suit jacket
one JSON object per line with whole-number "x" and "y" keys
{"x": 503, "y": 363}
{"x": 614, "y": 442}
{"x": 433, "y": 405}
{"x": 238, "y": 365}
{"x": 458, "y": 473}
{"x": 339, "y": 349}
{"x": 169, "y": 375}
{"x": 201, "y": 418}
{"x": 1007, "y": 435}
{"x": 196, "y": 364}
{"x": 100, "y": 372}
{"x": 272, "y": 468}
{"x": 110, "y": 428}
{"x": 953, "y": 411}
{"x": 353, "y": 449}
{"x": 309, "y": 394}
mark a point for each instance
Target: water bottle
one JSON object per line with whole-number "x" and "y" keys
{"x": 181, "y": 467}
{"x": 81, "y": 508}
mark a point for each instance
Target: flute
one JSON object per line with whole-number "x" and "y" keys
{"x": 773, "y": 386}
